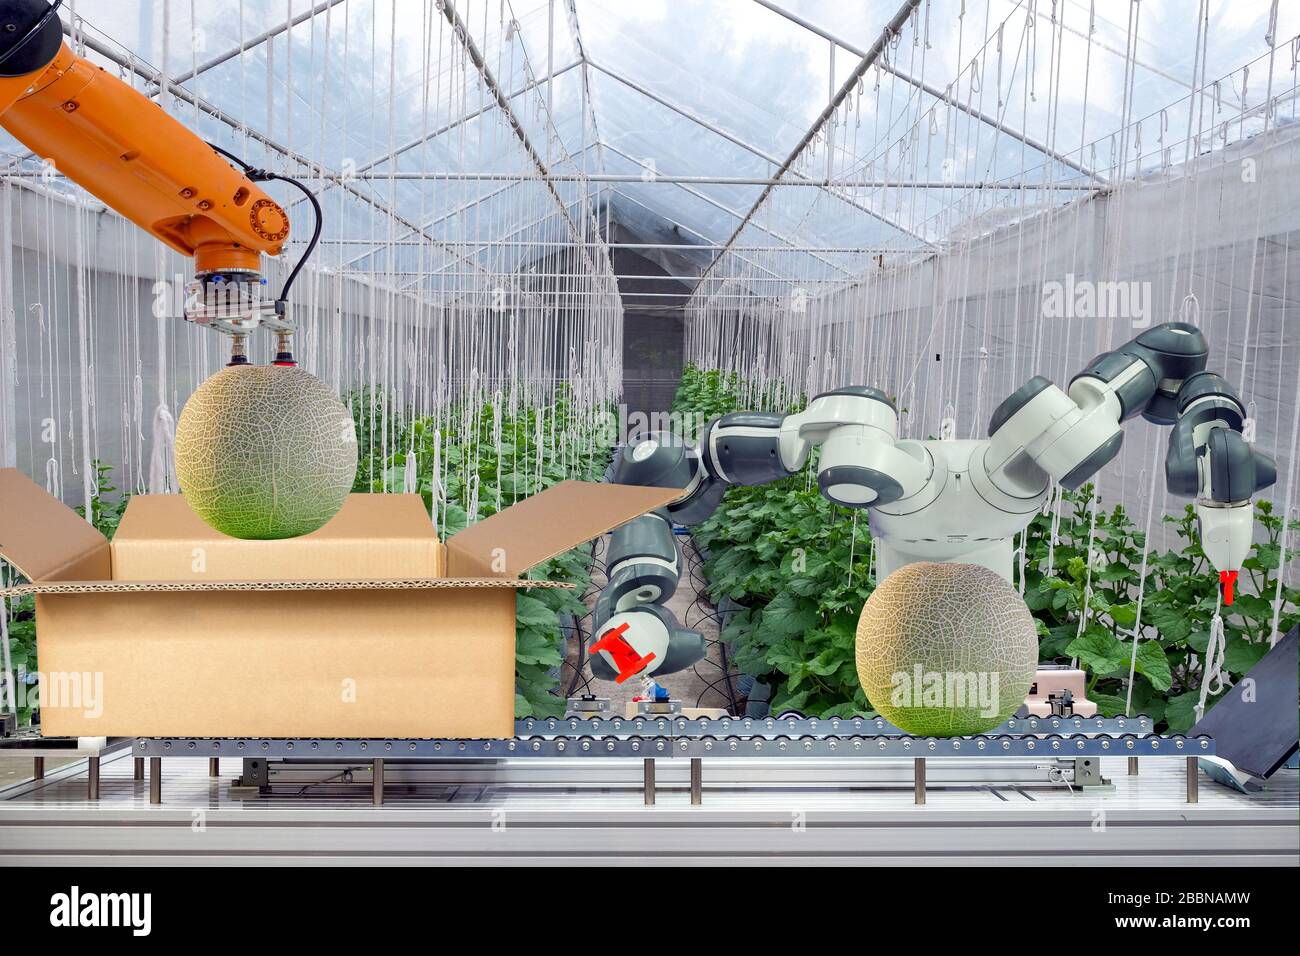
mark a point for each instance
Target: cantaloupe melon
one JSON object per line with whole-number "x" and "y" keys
{"x": 265, "y": 451}
{"x": 946, "y": 650}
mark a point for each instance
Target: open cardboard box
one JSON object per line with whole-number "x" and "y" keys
{"x": 368, "y": 627}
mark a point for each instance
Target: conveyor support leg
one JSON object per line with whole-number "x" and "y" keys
{"x": 38, "y": 768}
{"x": 155, "y": 780}
{"x": 378, "y": 775}
{"x": 92, "y": 778}
{"x": 648, "y": 781}
{"x": 918, "y": 774}
{"x": 1193, "y": 780}
{"x": 137, "y": 770}
{"x": 697, "y": 781}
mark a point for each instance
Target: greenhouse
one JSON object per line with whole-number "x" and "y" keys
{"x": 879, "y": 411}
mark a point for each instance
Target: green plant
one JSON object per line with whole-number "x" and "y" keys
{"x": 800, "y": 567}
{"x": 706, "y": 394}
{"x": 799, "y": 564}
{"x": 491, "y": 461}
{"x": 106, "y": 507}
{"x": 1178, "y": 603}
{"x": 22, "y": 651}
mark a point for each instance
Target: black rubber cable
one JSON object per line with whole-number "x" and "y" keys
{"x": 263, "y": 175}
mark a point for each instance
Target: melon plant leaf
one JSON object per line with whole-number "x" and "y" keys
{"x": 1199, "y": 641}
{"x": 786, "y": 701}
{"x": 530, "y": 612}
{"x": 1172, "y": 621}
{"x": 1124, "y": 615}
{"x": 1240, "y": 655}
{"x": 1154, "y": 665}
{"x": 805, "y": 587}
{"x": 534, "y": 647}
{"x": 1099, "y": 650}
{"x": 1057, "y": 641}
{"x": 1180, "y": 711}
{"x": 787, "y": 614}
{"x": 1107, "y": 704}
{"x": 454, "y": 520}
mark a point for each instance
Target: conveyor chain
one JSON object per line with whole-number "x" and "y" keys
{"x": 796, "y": 725}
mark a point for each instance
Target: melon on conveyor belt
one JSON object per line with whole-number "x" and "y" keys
{"x": 946, "y": 650}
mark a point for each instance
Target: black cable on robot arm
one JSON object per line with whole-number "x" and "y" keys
{"x": 726, "y": 670}
{"x": 582, "y": 660}
{"x": 579, "y": 670}
{"x": 242, "y": 164}
{"x": 262, "y": 175}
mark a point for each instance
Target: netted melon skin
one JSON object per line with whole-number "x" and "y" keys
{"x": 950, "y": 619}
{"x": 265, "y": 451}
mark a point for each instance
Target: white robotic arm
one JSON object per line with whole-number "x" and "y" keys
{"x": 1040, "y": 431}
{"x": 861, "y": 464}
{"x": 940, "y": 500}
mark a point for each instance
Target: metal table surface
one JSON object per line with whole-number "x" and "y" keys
{"x": 590, "y": 812}
{"x": 93, "y": 749}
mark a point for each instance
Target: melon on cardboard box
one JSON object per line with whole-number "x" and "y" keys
{"x": 221, "y": 637}
{"x": 265, "y": 451}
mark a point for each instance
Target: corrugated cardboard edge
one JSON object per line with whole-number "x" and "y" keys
{"x": 404, "y": 584}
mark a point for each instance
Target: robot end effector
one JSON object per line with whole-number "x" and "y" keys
{"x": 635, "y": 633}
{"x": 1160, "y": 375}
{"x": 1209, "y": 458}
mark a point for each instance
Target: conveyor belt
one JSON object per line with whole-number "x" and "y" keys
{"x": 653, "y": 737}
{"x": 650, "y": 735}
{"x": 692, "y": 746}
{"x": 793, "y": 724}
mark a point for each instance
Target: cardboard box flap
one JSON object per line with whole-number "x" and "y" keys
{"x": 45, "y": 539}
{"x": 549, "y": 523}
{"x": 404, "y": 584}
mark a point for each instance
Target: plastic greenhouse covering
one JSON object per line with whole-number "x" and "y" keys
{"x": 843, "y": 204}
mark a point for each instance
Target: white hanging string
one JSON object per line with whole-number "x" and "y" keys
{"x": 1212, "y": 665}
{"x": 162, "y": 474}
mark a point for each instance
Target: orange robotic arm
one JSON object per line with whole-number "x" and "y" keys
{"x": 123, "y": 148}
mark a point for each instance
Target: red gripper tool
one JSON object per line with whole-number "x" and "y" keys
{"x": 1226, "y": 580}
{"x": 625, "y": 656}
